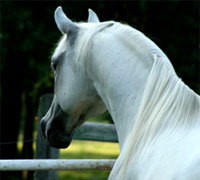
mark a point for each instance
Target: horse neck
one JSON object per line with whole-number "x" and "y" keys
{"x": 122, "y": 74}
{"x": 119, "y": 76}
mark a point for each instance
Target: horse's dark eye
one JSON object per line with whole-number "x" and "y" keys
{"x": 54, "y": 65}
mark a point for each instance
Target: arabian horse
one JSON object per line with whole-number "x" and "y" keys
{"x": 101, "y": 66}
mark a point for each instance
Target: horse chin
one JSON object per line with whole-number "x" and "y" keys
{"x": 58, "y": 140}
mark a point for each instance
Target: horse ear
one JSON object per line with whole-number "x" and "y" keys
{"x": 92, "y": 16}
{"x": 64, "y": 24}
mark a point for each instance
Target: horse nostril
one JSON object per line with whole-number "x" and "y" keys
{"x": 43, "y": 127}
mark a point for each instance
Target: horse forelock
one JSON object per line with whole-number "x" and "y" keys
{"x": 61, "y": 48}
{"x": 81, "y": 40}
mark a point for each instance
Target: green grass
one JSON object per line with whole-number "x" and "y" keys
{"x": 88, "y": 150}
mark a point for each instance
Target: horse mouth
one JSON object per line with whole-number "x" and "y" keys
{"x": 57, "y": 139}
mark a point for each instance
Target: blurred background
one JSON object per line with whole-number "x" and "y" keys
{"x": 28, "y": 35}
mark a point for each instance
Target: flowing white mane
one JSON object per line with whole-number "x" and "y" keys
{"x": 168, "y": 106}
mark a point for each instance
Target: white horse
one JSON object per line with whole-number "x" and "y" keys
{"x": 108, "y": 65}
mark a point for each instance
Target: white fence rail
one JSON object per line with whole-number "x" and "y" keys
{"x": 56, "y": 164}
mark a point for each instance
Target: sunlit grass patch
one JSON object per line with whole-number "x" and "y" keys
{"x": 88, "y": 150}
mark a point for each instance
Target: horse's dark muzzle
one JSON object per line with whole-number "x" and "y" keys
{"x": 54, "y": 137}
{"x": 57, "y": 139}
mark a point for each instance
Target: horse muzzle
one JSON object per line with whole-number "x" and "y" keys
{"x": 57, "y": 139}
{"x": 54, "y": 137}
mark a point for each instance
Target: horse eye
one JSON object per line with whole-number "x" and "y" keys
{"x": 54, "y": 64}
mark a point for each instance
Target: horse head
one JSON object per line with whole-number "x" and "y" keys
{"x": 75, "y": 99}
